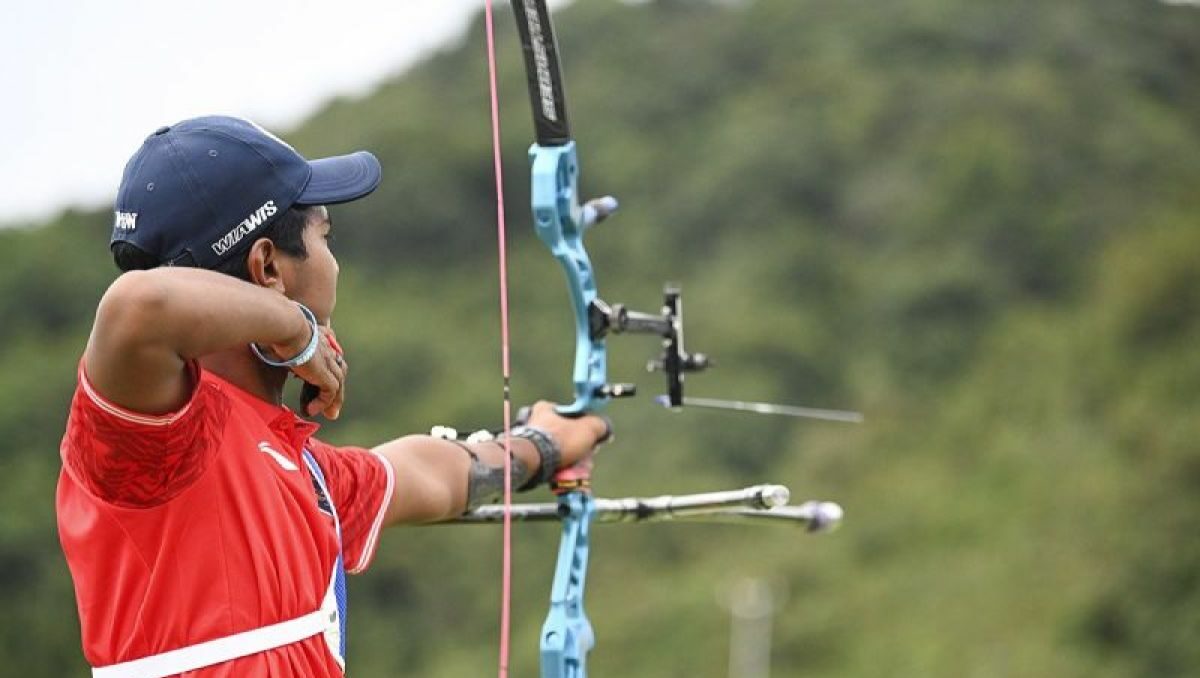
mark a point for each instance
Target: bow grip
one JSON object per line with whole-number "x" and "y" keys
{"x": 578, "y": 477}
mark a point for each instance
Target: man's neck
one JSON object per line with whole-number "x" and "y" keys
{"x": 239, "y": 367}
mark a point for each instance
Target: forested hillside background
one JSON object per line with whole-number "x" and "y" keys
{"x": 978, "y": 222}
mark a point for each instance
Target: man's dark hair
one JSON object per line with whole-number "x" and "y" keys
{"x": 287, "y": 232}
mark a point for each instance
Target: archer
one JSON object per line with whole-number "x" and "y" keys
{"x": 206, "y": 529}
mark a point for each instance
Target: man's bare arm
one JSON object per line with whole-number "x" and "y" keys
{"x": 434, "y": 477}
{"x": 149, "y": 323}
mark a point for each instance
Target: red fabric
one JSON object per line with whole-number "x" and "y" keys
{"x": 181, "y": 529}
{"x": 138, "y": 461}
{"x": 355, "y": 477}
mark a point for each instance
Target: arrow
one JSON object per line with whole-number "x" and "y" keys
{"x": 768, "y": 408}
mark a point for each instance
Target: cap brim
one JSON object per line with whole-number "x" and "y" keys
{"x": 341, "y": 179}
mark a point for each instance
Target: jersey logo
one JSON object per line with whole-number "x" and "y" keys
{"x": 283, "y": 461}
{"x": 323, "y": 503}
{"x": 318, "y": 483}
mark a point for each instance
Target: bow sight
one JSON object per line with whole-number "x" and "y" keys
{"x": 675, "y": 361}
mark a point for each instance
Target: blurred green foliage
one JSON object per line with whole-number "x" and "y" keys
{"x": 975, "y": 221}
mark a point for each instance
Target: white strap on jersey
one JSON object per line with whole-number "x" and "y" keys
{"x": 323, "y": 621}
{"x": 219, "y": 650}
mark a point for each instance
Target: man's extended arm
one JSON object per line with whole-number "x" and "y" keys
{"x": 434, "y": 476}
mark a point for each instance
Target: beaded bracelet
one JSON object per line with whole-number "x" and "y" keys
{"x": 304, "y": 355}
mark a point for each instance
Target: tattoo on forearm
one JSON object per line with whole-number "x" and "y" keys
{"x": 485, "y": 483}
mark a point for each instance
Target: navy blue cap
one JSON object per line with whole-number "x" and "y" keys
{"x": 196, "y": 193}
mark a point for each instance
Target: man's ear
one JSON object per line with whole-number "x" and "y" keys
{"x": 262, "y": 263}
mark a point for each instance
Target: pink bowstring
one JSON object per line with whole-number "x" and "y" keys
{"x": 506, "y": 575}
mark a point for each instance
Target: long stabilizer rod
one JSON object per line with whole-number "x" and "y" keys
{"x": 760, "y": 503}
{"x": 814, "y": 516}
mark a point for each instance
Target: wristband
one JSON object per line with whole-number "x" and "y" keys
{"x": 304, "y": 355}
{"x": 548, "y": 454}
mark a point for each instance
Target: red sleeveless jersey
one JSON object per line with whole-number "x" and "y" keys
{"x": 192, "y": 526}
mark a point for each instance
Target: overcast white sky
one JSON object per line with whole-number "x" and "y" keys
{"x": 82, "y": 82}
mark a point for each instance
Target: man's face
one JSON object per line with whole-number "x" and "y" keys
{"x": 313, "y": 281}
